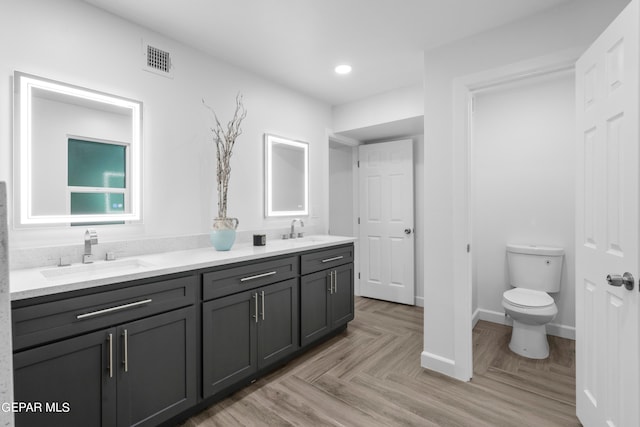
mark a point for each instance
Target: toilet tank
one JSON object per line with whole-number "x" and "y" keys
{"x": 535, "y": 267}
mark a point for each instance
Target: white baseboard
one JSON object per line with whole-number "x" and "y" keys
{"x": 562, "y": 331}
{"x": 420, "y": 301}
{"x": 475, "y": 318}
{"x": 438, "y": 363}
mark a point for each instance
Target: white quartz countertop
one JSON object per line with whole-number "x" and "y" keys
{"x": 36, "y": 282}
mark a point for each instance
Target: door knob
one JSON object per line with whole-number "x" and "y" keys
{"x": 626, "y": 279}
{"x": 407, "y": 231}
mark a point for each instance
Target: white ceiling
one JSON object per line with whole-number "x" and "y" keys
{"x": 297, "y": 43}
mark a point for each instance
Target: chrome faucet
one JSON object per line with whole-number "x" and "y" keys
{"x": 90, "y": 238}
{"x": 292, "y": 234}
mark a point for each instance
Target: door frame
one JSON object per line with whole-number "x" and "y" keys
{"x": 463, "y": 90}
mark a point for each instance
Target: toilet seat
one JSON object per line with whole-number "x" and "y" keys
{"x": 521, "y": 297}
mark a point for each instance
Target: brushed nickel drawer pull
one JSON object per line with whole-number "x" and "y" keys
{"x": 112, "y": 309}
{"x": 331, "y": 282}
{"x": 125, "y": 362}
{"x": 255, "y": 296}
{"x": 258, "y": 276}
{"x": 110, "y": 355}
{"x": 335, "y": 258}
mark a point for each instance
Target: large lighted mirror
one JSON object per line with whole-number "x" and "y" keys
{"x": 287, "y": 177}
{"x": 77, "y": 154}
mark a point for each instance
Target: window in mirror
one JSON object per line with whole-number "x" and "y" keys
{"x": 287, "y": 177}
{"x": 64, "y": 178}
{"x": 96, "y": 178}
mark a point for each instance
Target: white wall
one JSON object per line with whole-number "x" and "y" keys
{"x": 341, "y": 194}
{"x": 572, "y": 25}
{"x": 386, "y": 107}
{"x": 73, "y": 42}
{"x": 523, "y": 178}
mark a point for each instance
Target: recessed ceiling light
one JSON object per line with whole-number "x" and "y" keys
{"x": 343, "y": 69}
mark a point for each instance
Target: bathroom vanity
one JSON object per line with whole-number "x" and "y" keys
{"x": 163, "y": 336}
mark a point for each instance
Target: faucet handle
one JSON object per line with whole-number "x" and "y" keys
{"x": 91, "y": 235}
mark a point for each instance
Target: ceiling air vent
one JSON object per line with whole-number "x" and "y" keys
{"x": 157, "y": 60}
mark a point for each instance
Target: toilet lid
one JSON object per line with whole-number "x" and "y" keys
{"x": 528, "y": 297}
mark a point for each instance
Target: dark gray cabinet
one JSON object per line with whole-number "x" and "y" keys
{"x": 246, "y": 332}
{"x": 326, "y": 296}
{"x": 342, "y": 298}
{"x": 137, "y": 367}
{"x": 139, "y": 373}
{"x": 144, "y": 353}
{"x": 74, "y": 376}
{"x": 156, "y": 372}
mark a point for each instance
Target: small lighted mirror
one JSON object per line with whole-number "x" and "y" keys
{"x": 287, "y": 177}
{"x": 77, "y": 154}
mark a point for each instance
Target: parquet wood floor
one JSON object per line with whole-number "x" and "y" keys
{"x": 370, "y": 375}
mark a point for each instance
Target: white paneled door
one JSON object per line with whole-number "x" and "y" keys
{"x": 386, "y": 221}
{"x": 607, "y": 238}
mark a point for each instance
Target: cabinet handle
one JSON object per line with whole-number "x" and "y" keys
{"x": 255, "y": 296}
{"x": 335, "y": 281}
{"x": 110, "y": 355}
{"x": 331, "y": 282}
{"x": 335, "y": 258}
{"x": 125, "y": 361}
{"x": 258, "y": 276}
{"x": 262, "y": 305}
{"x": 112, "y": 309}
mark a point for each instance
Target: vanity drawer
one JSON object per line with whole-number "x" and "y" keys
{"x": 329, "y": 258}
{"x": 228, "y": 281}
{"x": 45, "y": 322}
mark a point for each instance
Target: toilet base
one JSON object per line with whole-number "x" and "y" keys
{"x": 529, "y": 340}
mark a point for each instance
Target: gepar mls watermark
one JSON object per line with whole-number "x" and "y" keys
{"x": 36, "y": 407}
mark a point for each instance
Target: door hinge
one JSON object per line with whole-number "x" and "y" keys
{"x": 358, "y": 163}
{"x": 468, "y": 247}
{"x": 358, "y": 220}
{"x": 358, "y": 275}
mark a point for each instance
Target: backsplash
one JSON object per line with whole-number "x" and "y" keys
{"x": 50, "y": 255}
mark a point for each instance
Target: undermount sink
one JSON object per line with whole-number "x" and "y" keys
{"x": 99, "y": 268}
{"x": 308, "y": 240}
{"x": 316, "y": 238}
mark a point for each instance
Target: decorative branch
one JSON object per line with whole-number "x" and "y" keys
{"x": 225, "y": 140}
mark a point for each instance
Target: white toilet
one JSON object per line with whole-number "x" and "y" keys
{"x": 533, "y": 271}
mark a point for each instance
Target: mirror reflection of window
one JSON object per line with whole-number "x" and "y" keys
{"x": 96, "y": 177}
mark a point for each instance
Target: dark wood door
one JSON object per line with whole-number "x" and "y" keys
{"x": 229, "y": 346}
{"x": 156, "y": 369}
{"x": 315, "y": 315}
{"x": 278, "y": 323}
{"x": 70, "y": 380}
{"x": 342, "y": 300}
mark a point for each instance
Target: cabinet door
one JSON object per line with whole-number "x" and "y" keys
{"x": 315, "y": 317}
{"x": 70, "y": 380}
{"x": 342, "y": 299}
{"x": 278, "y": 323}
{"x": 229, "y": 352}
{"x": 156, "y": 372}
